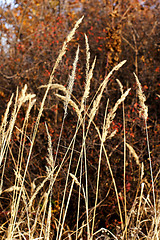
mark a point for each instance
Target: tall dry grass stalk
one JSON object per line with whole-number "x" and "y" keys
{"x": 67, "y": 100}
{"x": 143, "y": 112}
{"x": 88, "y": 78}
{"x": 107, "y": 122}
{"x": 124, "y": 152}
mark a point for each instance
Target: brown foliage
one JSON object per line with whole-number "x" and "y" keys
{"x": 32, "y": 32}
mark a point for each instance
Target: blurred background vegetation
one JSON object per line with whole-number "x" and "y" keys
{"x": 31, "y": 35}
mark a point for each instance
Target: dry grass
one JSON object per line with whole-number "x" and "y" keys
{"x": 31, "y": 219}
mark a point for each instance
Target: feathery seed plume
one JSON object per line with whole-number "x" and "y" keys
{"x": 72, "y": 103}
{"x": 112, "y": 113}
{"x": 71, "y": 82}
{"x": 87, "y": 55}
{"x": 87, "y": 87}
{"x": 133, "y": 152}
{"x": 143, "y": 108}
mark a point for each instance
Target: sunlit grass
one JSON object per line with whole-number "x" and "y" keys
{"x": 31, "y": 219}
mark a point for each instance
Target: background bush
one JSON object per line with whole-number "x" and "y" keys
{"x": 32, "y": 34}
